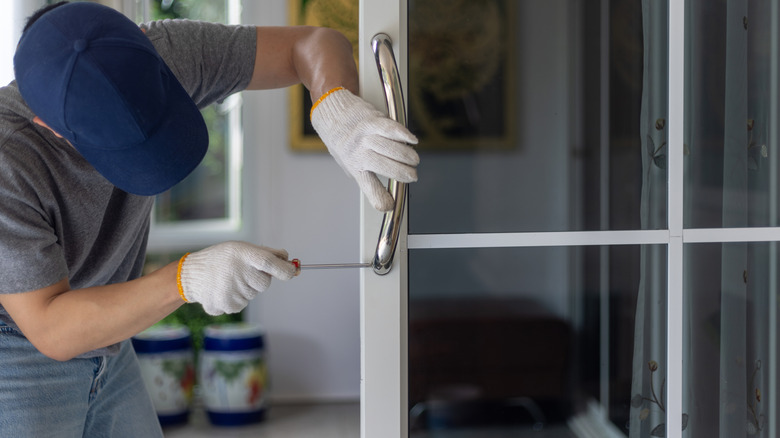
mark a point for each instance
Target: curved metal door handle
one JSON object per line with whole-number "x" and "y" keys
{"x": 394, "y": 98}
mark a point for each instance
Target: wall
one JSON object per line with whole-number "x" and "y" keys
{"x": 306, "y": 204}
{"x": 12, "y": 20}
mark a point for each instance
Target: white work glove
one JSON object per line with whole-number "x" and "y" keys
{"x": 225, "y": 277}
{"x": 365, "y": 143}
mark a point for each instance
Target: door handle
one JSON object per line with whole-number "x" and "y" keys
{"x": 382, "y": 46}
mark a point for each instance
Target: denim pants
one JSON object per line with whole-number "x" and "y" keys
{"x": 96, "y": 397}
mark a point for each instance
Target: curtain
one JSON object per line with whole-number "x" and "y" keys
{"x": 726, "y": 294}
{"x": 647, "y": 415}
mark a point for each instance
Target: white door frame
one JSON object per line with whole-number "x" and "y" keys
{"x": 383, "y": 316}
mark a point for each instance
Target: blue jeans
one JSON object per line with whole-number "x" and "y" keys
{"x": 96, "y": 397}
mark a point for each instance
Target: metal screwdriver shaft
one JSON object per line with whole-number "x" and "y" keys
{"x": 336, "y": 265}
{"x": 300, "y": 266}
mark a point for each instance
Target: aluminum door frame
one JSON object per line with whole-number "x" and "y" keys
{"x": 383, "y": 298}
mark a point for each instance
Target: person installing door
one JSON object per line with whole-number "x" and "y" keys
{"x": 103, "y": 115}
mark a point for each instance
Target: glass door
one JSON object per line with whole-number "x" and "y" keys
{"x": 590, "y": 250}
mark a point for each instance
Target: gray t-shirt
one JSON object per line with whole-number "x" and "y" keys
{"x": 58, "y": 216}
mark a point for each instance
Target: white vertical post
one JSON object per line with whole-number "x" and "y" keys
{"x": 383, "y": 299}
{"x": 675, "y": 314}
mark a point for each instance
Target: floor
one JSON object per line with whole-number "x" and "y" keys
{"x": 551, "y": 431}
{"x": 335, "y": 420}
{"x": 331, "y": 420}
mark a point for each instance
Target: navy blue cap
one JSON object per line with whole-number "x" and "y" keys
{"x": 233, "y": 336}
{"x": 92, "y": 76}
{"x": 232, "y": 344}
{"x": 163, "y": 338}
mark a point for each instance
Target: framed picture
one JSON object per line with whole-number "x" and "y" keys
{"x": 461, "y": 92}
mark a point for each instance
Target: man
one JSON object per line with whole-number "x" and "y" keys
{"x": 103, "y": 115}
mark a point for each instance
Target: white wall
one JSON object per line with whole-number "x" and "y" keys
{"x": 307, "y": 205}
{"x": 13, "y": 15}
{"x": 7, "y": 43}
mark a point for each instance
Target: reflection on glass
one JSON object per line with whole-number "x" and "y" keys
{"x": 516, "y": 132}
{"x": 728, "y": 123}
{"x": 730, "y": 333}
{"x": 528, "y": 340}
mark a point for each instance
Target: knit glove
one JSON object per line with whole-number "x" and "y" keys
{"x": 225, "y": 277}
{"x": 365, "y": 143}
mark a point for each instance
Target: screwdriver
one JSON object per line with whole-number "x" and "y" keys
{"x": 300, "y": 266}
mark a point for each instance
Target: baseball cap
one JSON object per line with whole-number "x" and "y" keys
{"x": 94, "y": 77}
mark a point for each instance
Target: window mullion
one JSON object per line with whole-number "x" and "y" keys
{"x": 675, "y": 311}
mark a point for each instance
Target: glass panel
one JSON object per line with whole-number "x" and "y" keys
{"x": 731, "y": 160}
{"x": 514, "y": 341}
{"x": 731, "y": 332}
{"x": 533, "y": 116}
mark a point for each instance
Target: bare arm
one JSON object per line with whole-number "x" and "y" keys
{"x": 319, "y": 58}
{"x": 64, "y": 323}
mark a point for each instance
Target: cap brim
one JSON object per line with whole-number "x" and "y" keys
{"x": 170, "y": 153}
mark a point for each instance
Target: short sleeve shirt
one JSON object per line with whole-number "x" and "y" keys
{"x": 59, "y": 218}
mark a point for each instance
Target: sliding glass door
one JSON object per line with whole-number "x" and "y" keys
{"x": 590, "y": 250}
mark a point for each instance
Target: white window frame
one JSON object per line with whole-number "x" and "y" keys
{"x": 384, "y": 402}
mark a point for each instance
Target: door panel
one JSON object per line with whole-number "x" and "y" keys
{"x": 528, "y": 118}
{"x": 494, "y": 333}
{"x": 554, "y": 186}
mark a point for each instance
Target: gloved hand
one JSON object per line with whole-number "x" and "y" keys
{"x": 225, "y": 277}
{"x": 365, "y": 143}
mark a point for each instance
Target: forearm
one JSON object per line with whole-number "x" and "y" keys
{"x": 325, "y": 61}
{"x": 319, "y": 58}
{"x": 68, "y": 323}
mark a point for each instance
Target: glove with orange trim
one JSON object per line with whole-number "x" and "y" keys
{"x": 225, "y": 277}
{"x": 365, "y": 143}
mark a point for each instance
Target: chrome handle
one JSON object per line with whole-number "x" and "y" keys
{"x": 394, "y": 98}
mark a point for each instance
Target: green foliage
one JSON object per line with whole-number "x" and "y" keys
{"x": 207, "y": 10}
{"x": 175, "y": 368}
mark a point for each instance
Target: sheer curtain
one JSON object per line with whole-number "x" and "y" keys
{"x": 727, "y": 125}
{"x": 727, "y": 186}
{"x": 648, "y": 387}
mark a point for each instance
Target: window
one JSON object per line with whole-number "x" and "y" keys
{"x": 206, "y": 206}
